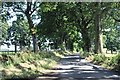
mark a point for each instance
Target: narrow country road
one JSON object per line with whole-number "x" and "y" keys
{"x": 73, "y": 68}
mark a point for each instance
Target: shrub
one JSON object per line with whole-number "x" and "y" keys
{"x": 85, "y": 54}
{"x": 110, "y": 62}
{"x": 117, "y": 67}
{"x": 99, "y": 58}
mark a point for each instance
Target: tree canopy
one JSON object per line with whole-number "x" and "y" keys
{"x": 70, "y": 25}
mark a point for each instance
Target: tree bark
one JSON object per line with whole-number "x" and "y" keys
{"x": 31, "y": 26}
{"x": 84, "y": 31}
{"x": 35, "y": 48}
{"x": 86, "y": 40}
{"x": 98, "y": 30}
{"x": 15, "y": 46}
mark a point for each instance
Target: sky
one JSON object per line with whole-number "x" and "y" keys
{"x": 13, "y": 18}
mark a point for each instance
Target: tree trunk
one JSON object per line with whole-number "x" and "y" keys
{"x": 56, "y": 43}
{"x": 28, "y": 14}
{"x": 15, "y": 43}
{"x": 62, "y": 44}
{"x": 21, "y": 48}
{"x": 71, "y": 45}
{"x": 15, "y": 47}
{"x": 35, "y": 47}
{"x": 31, "y": 26}
{"x": 98, "y": 31}
{"x": 62, "y": 41}
{"x": 86, "y": 40}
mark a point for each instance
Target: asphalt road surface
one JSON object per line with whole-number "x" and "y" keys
{"x": 72, "y": 67}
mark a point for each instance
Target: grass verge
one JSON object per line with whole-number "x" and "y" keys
{"x": 26, "y": 64}
{"x": 109, "y": 61}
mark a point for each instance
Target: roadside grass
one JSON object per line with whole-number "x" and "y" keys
{"x": 109, "y": 61}
{"x": 7, "y": 52}
{"x": 26, "y": 64}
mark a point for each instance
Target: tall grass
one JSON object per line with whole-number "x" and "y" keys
{"x": 27, "y": 63}
{"x": 109, "y": 61}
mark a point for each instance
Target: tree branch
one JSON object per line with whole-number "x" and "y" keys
{"x": 18, "y": 9}
{"x": 27, "y": 11}
{"x": 34, "y": 9}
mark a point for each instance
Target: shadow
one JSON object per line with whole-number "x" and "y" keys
{"x": 74, "y": 68}
{"x": 88, "y": 75}
{"x": 49, "y": 76}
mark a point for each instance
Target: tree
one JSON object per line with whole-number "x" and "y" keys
{"x": 81, "y": 16}
{"x": 101, "y": 9}
{"x": 114, "y": 12}
{"x": 27, "y": 9}
{"x": 54, "y": 23}
{"x": 98, "y": 30}
{"x": 18, "y": 34}
{"x": 67, "y": 19}
{"x": 3, "y": 27}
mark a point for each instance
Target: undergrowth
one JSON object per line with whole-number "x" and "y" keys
{"x": 111, "y": 62}
{"x": 25, "y": 64}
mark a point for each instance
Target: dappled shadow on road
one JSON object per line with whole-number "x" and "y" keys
{"x": 72, "y": 67}
{"x": 75, "y": 68}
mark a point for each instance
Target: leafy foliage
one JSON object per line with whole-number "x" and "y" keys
{"x": 111, "y": 62}
{"x": 3, "y": 30}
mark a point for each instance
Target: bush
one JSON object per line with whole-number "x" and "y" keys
{"x": 99, "y": 58}
{"x": 117, "y": 67}
{"x": 111, "y": 62}
{"x": 85, "y": 54}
